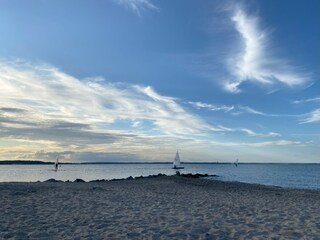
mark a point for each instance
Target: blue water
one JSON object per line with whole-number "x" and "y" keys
{"x": 283, "y": 175}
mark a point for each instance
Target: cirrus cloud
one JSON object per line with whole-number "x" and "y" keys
{"x": 254, "y": 63}
{"x": 42, "y": 107}
{"x": 312, "y": 117}
{"x": 137, "y": 6}
{"x": 50, "y": 95}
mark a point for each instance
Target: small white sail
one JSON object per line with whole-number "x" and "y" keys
{"x": 56, "y": 164}
{"x": 236, "y": 163}
{"x": 176, "y": 162}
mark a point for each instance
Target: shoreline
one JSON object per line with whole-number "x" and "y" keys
{"x": 40, "y": 162}
{"x": 166, "y": 207}
{"x": 207, "y": 177}
{"x": 305, "y": 177}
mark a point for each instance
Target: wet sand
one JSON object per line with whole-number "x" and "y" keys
{"x": 157, "y": 208}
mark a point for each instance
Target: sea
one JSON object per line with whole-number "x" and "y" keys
{"x": 303, "y": 176}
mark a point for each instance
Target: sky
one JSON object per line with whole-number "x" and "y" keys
{"x": 137, "y": 80}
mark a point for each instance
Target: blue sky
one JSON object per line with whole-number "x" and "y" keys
{"x": 134, "y": 80}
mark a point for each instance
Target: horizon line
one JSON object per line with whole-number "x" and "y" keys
{"x": 39, "y": 162}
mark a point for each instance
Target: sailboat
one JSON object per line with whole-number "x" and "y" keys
{"x": 236, "y": 163}
{"x": 176, "y": 162}
{"x": 56, "y": 164}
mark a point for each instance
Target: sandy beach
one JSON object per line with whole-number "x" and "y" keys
{"x": 157, "y": 208}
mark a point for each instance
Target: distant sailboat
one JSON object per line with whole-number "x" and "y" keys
{"x": 176, "y": 162}
{"x": 236, "y": 163}
{"x": 56, "y": 164}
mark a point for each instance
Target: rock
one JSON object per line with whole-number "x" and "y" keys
{"x": 197, "y": 175}
{"x": 99, "y": 180}
{"x": 53, "y": 180}
{"x": 117, "y": 179}
{"x": 152, "y": 176}
{"x": 161, "y": 175}
{"x": 79, "y": 180}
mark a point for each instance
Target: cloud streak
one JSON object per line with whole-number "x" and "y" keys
{"x": 308, "y": 100}
{"x": 254, "y": 63}
{"x": 137, "y": 6}
{"x": 312, "y": 117}
{"x": 236, "y": 109}
{"x": 282, "y": 142}
{"x": 254, "y": 134}
{"x": 246, "y": 109}
{"x": 211, "y": 107}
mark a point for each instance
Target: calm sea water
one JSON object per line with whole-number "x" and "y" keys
{"x": 284, "y": 175}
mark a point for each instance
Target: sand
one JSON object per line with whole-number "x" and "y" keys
{"x": 157, "y": 208}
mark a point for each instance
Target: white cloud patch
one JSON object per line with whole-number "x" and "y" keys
{"x": 254, "y": 63}
{"x": 212, "y": 107}
{"x": 312, "y": 117}
{"x": 276, "y": 143}
{"x": 42, "y": 107}
{"x": 254, "y": 134}
{"x": 235, "y": 109}
{"x": 282, "y": 142}
{"x": 137, "y": 6}
{"x": 49, "y": 95}
{"x": 250, "y": 132}
{"x": 308, "y": 100}
{"x": 246, "y": 109}
{"x": 251, "y": 110}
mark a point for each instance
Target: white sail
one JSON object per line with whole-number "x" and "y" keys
{"x": 176, "y": 161}
{"x": 56, "y": 164}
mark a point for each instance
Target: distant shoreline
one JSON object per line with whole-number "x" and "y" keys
{"x": 36, "y": 162}
{"x": 30, "y": 162}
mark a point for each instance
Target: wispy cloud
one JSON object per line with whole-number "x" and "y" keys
{"x": 254, "y": 63}
{"x": 137, "y": 6}
{"x": 250, "y": 132}
{"x": 254, "y": 134}
{"x": 246, "y": 109}
{"x": 282, "y": 142}
{"x": 50, "y": 95}
{"x": 276, "y": 143}
{"x": 315, "y": 99}
{"x": 236, "y": 109}
{"x": 212, "y": 107}
{"x": 312, "y": 117}
{"x": 42, "y": 107}
{"x": 253, "y": 111}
